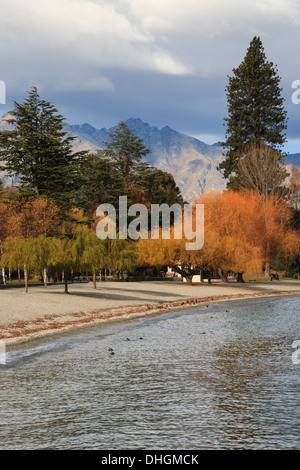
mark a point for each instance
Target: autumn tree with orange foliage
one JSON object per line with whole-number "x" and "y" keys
{"x": 37, "y": 216}
{"x": 243, "y": 232}
{"x": 172, "y": 252}
{"x": 25, "y": 220}
{"x": 7, "y": 227}
{"x": 255, "y": 229}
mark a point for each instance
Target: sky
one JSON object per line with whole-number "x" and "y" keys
{"x": 164, "y": 61}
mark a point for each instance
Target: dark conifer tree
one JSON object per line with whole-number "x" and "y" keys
{"x": 255, "y": 109}
{"x": 38, "y": 151}
{"x": 101, "y": 183}
{"x": 126, "y": 151}
{"x": 159, "y": 186}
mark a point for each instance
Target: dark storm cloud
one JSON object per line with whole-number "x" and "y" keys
{"x": 163, "y": 61}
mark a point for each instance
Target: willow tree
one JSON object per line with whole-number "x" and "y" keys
{"x": 7, "y": 228}
{"x": 65, "y": 259}
{"x": 20, "y": 252}
{"x": 119, "y": 255}
{"x": 44, "y": 254}
{"x": 255, "y": 229}
{"x": 243, "y": 232}
{"x": 89, "y": 251}
{"x": 172, "y": 252}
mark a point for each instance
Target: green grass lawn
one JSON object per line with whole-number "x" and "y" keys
{"x": 30, "y": 281}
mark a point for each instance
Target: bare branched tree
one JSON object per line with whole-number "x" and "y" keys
{"x": 262, "y": 169}
{"x": 295, "y": 188}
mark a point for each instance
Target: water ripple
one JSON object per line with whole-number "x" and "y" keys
{"x": 217, "y": 378}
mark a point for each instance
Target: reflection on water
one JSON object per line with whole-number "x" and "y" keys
{"x": 219, "y": 377}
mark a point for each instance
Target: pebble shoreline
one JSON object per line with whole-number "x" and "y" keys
{"x": 47, "y": 310}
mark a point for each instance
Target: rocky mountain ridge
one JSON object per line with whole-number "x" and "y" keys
{"x": 192, "y": 163}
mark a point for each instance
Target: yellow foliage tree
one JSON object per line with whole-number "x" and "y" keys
{"x": 243, "y": 231}
{"x": 256, "y": 228}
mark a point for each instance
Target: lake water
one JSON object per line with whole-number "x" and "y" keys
{"x": 219, "y": 377}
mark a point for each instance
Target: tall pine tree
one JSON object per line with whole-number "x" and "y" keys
{"x": 255, "y": 109}
{"x": 37, "y": 149}
{"x": 126, "y": 151}
{"x": 101, "y": 183}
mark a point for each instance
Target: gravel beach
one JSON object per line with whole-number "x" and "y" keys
{"x": 47, "y": 309}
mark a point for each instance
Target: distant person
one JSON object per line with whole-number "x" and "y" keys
{"x": 55, "y": 277}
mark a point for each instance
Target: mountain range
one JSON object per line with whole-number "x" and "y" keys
{"x": 192, "y": 162}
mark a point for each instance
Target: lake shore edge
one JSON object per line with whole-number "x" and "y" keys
{"x": 47, "y": 325}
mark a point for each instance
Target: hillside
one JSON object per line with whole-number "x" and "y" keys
{"x": 192, "y": 163}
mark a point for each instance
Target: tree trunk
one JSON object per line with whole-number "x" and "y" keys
{"x": 45, "y": 276}
{"x": 19, "y": 275}
{"x": 224, "y": 276}
{"x": 94, "y": 280}
{"x": 9, "y": 274}
{"x": 26, "y": 279}
{"x": 267, "y": 269}
{"x": 267, "y": 264}
{"x": 66, "y": 285}
{"x": 3, "y": 277}
{"x": 240, "y": 277}
{"x": 188, "y": 278}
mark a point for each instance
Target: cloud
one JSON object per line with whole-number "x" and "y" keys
{"x": 213, "y": 18}
{"x": 165, "y": 61}
{"x": 94, "y": 33}
{"x": 79, "y": 83}
{"x": 163, "y": 36}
